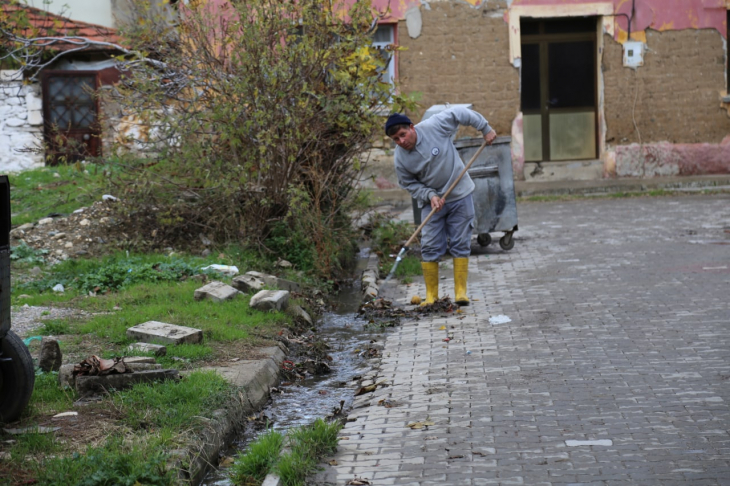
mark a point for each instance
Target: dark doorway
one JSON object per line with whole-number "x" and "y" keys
{"x": 71, "y": 116}
{"x": 559, "y": 88}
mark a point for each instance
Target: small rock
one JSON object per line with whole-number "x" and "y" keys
{"x": 59, "y": 288}
{"x": 108, "y": 197}
{"x": 104, "y": 220}
{"x": 69, "y": 245}
{"x": 206, "y": 241}
{"x": 297, "y": 311}
{"x": 83, "y": 222}
{"x": 45, "y": 221}
{"x": 58, "y": 236}
{"x": 284, "y": 264}
{"x": 270, "y": 300}
{"x": 205, "y": 252}
{"x": 50, "y": 357}
{"x": 56, "y": 174}
{"x": 80, "y": 210}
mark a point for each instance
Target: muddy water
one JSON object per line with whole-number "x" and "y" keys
{"x": 317, "y": 396}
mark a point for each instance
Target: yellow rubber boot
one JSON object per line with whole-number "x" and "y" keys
{"x": 461, "y": 272}
{"x": 431, "y": 276}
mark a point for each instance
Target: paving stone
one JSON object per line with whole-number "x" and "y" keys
{"x": 160, "y": 332}
{"x": 216, "y": 291}
{"x": 270, "y": 300}
{"x": 619, "y": 332}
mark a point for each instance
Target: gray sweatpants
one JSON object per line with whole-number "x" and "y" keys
{"x": 448, "y": 230}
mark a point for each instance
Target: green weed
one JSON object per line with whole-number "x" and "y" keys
{"x": 113, "y": 464}
{"x": 55, "y": 327}
{"x": 259, "y": 459}
{"x": 27, "y": 255}
{"x": 48, "y": 398}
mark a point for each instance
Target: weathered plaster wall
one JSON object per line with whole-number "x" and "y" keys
{"x": 21, "y": 123}
{"x": 461, "y": 56}
{"x": 673, "y": 99}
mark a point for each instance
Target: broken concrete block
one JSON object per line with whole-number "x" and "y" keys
{"x": 158, "y": 349}
{"x": 270, "y": 300}
{"x": 297, "y": 311}
{"x": 248, "y": 283}
{"x": 87, "y": 386}
{"x": 132, "y": 360}
{"x": 215, "y": 291}
{"x": 161, "y": 332}
{"x": 65, "y": 376}
{"x": 274, "y": 281}
{"x": 50, "y": 357}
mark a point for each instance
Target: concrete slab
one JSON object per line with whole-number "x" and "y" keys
{"x": 270, "y": 300}
{"x": 87, "y": 386}
{"x": 274, "y": 281}
{"x": 161, "y": 332}
{"x": 216, "y": 291}
{"x": 158, "y": 349}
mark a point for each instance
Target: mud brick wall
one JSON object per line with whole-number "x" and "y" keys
{"x": 678, "y": 90}
{"x": 461, "y": 56}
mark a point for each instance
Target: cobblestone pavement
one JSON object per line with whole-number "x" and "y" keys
{"x": 614, "y": 368}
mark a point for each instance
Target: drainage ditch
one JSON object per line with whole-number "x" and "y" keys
{"x": 301, "y": 402}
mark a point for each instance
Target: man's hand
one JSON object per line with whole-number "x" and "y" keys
{"x": 437, "y": 203}
{"x": 489, "y": 137}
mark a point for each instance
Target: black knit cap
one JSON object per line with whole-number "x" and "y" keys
{"x": 396, "y": 119}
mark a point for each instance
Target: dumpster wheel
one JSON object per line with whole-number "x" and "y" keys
{"x": 17, "y": 377}
{"x": 484, "y": 239}
{"x": 507, "y": 242}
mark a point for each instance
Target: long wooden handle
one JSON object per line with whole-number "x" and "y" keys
{"x": 448, "y": 191}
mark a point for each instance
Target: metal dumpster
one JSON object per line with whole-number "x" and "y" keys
{"x": 494, "y": 195}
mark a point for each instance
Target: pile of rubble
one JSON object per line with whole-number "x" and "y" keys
{"x": 85, "y": 232}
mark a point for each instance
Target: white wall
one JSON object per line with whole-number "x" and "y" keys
{"x": 91, "y": 11}
{"x": 21, "y": 123}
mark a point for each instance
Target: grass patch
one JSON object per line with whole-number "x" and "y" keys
{"x": 48, "y": 398}
{"x": 173, "y": 303}
{"x": 37, "y": 193}
{"x": 54, "y": 327}
{"x": 387, "y": 238}
{"x": 307, "y": 445}
{"x": 259, "y": 459}
{"x": 113, "y": 464}
{"x": 172, "y": 404}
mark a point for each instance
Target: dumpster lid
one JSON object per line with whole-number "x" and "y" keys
{"x": 434, "y": 109}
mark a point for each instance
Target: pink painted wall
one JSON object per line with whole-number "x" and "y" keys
{"x": 659, "y": 14}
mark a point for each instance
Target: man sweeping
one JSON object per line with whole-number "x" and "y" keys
{"x": 427, "y": 163}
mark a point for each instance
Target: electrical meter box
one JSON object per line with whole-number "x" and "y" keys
{"x": 634, "y": 54}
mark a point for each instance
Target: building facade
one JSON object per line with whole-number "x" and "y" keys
{"x": 587, "y": 89}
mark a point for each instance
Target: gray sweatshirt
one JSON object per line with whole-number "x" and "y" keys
{"x": 434, "y": 164}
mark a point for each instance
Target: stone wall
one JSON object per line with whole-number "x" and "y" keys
{"x": 21, "y": 123}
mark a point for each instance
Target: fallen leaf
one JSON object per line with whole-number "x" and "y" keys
{"x": 456, "y": 457}
{"x": 442, "y": 328}
{"x": 420, "y": 425}
{"x": 227, "y": 461}
{"x": 333, "y": 462}
{"x": 446, "y": 340}
{"x": 358, "y": 482}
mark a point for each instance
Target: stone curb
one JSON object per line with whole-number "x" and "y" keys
{"x": 369, "y": 281}
{"x": 254, "y": 378}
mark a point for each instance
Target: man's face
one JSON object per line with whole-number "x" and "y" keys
{"x": 405, "y": 137}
